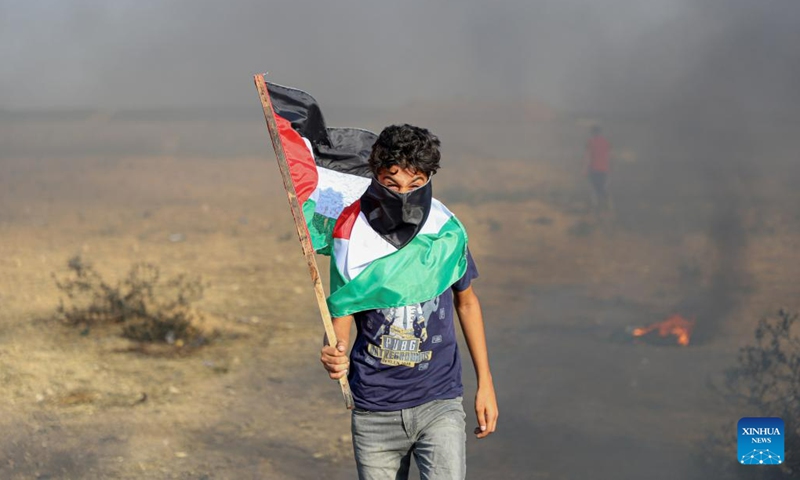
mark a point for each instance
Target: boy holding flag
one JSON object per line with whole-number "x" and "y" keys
{"x": 400, "y": 267}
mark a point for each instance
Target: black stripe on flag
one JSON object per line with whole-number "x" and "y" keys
{"x": 344, "y": 150}
{"x": 349, "y": 151}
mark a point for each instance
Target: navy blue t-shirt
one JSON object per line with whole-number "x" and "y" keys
{"x": 407, "y": 356}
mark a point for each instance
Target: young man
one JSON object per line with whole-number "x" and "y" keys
{"x": 598, "y": 152}
{"x": 404, "y": 367}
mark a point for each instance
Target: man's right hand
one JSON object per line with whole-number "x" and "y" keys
{"x": 335, "y": 360}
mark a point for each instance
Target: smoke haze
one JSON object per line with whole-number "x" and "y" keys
{"x": 579, "y": 55}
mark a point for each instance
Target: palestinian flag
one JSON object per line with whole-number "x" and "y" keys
{"x": 330, "y": 172}
{"x": 328, "y": 165}
{"x": 367, "y": 272}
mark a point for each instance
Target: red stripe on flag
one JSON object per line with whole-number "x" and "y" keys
{"x": 344, "y": 225}
{"x": 301, "y": 163}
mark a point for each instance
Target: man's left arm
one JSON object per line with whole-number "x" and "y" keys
{"x": 469, "y": 315}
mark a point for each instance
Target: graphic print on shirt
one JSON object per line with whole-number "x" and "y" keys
{"x": 402, "y": 334}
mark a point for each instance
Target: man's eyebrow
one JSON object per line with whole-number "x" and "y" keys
{"x": 391, "y": 176}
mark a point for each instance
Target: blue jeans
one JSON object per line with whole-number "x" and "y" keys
{"x": 433, "y": 432}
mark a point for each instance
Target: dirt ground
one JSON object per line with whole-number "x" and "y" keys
{"x": 557, "y": 284}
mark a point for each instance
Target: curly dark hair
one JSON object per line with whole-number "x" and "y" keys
{"x": 406, "y": 146}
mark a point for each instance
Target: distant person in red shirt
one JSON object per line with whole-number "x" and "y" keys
{"x": 598, "y": 153}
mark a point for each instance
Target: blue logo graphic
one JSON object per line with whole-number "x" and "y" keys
{"x": 760, "y": 441}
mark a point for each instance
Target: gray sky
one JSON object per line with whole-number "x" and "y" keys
{"x": 574, "y": 54}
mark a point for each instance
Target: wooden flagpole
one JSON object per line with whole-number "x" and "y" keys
{"x": 300, "y": 224}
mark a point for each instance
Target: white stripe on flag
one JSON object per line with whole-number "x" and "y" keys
{"x": 366, "y": 245}
{"x": 337, "y": 190}
{"x": 436, "y": 219}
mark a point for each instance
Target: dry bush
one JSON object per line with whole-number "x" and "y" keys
{"x": 150, "y": 309}
{"x": 766, "y": 382}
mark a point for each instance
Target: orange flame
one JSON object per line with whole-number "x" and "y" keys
{"x": 675, "y": 325}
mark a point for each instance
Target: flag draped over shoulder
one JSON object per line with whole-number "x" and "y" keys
{"x": 330, "y": 172}
{"x": 367, "y": 272}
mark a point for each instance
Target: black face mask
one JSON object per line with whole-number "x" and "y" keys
{"x": 397, "y": 217}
